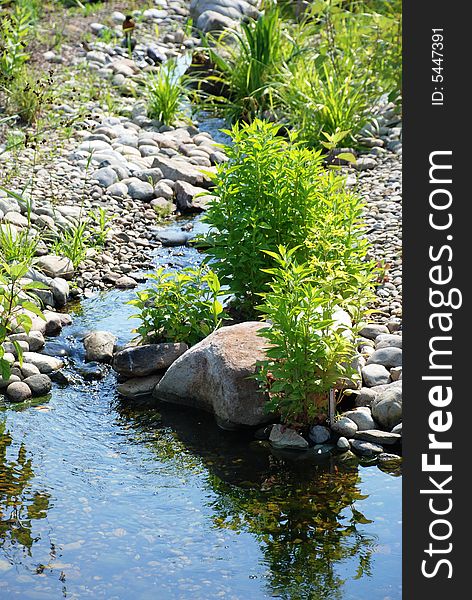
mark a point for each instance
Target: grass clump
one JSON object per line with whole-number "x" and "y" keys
{"x": 248, "y": 62}
{"x": 166, "y": 92}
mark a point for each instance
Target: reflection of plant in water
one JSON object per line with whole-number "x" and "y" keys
{"x": 303, "y": 529}
{"x": 18, "y": 505}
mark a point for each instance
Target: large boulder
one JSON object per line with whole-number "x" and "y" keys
{"x": 140, "y": 361}
{"x": 215, "y": 375}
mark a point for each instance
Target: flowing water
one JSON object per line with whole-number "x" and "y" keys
{"x": 105, "y": 499}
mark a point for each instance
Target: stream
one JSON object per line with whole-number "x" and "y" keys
{"x": 106, "y": 499}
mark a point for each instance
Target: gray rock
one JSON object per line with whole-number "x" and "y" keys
{"x": 34, "y": 339}
{"x": 367, "y": 449}
{"x": 149, "y": 175}
{"x": 178, "y": 169}
{"x": 16, "y": 218}
{"x": 118, "y": 190}
{"x": 372, "y": 330}
{"x": 125, "y": 282}
{"x": 55, "y": 266}
{"x": 105, "y": 176}
{"x": 149, "y": 359}
{"x": 378, "y": 437}
{"x": 163, "y": 190}
{"x": 365, "y": 397}
{"x": 387, "y": 407}
{"x": 99, "y": 346}
{"x": 284, "y": 437}
{"x": 388, "y": 340}
{"x": 319, "y": 434}
{"x": 190, "y": 197}
{"x": 140, "y": 190}
{"x": 40, "y": 385}
{"x": 215, "y": 375}
{"x": 396, "y": 373}
{"x": 362, "y": 417}
{"x": 4, "y": 383}
{"x": 374, "y": 374}
{"x": 397, "y": 429}
{"x": 45, "y": 364}
{"x": 388, "y": 357}
{"x": 18, "y": 391}
{"x": 138, "y": 386}
{"x": 170, "y": 237}
{"x": 27, "y": 370}
{"x": 155, "y": 54}
{"x": 365, "y": 163}
{"x": 343, "y": 444}
{"x": 212, "y": 21}
{"x": 60, "y": 291}
{"x": 344, "y": 427}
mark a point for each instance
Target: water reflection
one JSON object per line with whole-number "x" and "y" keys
{"x": 301, "y": 511}
{"x": 19, "y": 505}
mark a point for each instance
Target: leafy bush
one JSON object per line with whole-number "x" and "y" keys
{"x": 309, "y": 352}
{"x": 166, "y": 92}
{"x": 180, "y": 306}
{"x": 273, "y": 192}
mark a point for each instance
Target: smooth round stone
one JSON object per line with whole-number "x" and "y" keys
{"x": 40, "y": 384}
{"x": 388, "y": 357}
{"x": 118, "y": 190}
{"x": 172, "y": 237}
{"x": 140, "y": 190}
{"x": 344, "y": 427}
{"x": 362, "y": 417}
{"x": 343, "y": 443}
{"x": 319, "y": 434}
{"x": 367, "y": 449}
{"x": 18, "y": 392}
{"x": 372, "y": 330}
{"x": 374, "y": 374}
{"x": 105, "y": 176}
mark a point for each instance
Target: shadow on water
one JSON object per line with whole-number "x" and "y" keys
{"x": 300, "y": 510}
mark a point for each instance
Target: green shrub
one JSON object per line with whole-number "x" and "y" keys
{"x": 180, "y": 306}
{"x": 309, "y": 352}
{"x": 273, "y": 192}
{"x": 166, "y": 92}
